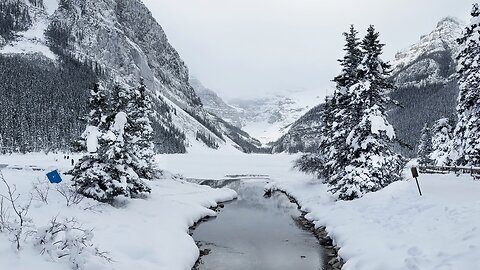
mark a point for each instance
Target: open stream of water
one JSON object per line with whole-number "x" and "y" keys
{"x": 257, "y": 233}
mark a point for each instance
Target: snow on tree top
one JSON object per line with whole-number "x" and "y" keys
{"x": 91, "y": 133}
{"x": 119, "y": 125}
{"x": 378, "y": 123}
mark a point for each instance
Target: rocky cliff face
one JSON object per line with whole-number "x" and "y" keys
{"x": 304, "y": 134}
{"x": 432, "y": 59}
{"x": 124, "y": 38}
{"x": 216, "y": 105}
{"x": 119, "y": 42}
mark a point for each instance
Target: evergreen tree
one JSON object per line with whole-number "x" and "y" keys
{"x": 466, "y": 144}
{"x": 350, "y": 62}
{"x": 117, "y": 138}
{"x": 425, "y": 147}
{"x": 343, "y": 117}
{"x": 140, "y": 132}
{"x": 90, "y": 174}
{"x": 372, "y": 164}
{"x": 2, "y": 148}
{"x": 336, "y": 117}
{"x": 442, "y": 142}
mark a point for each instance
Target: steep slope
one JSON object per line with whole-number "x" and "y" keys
{"x": 120, "y": 43}
{"x": 426, "y": 83}
{"x": 215, "y": 104}
{"x": 304, "y": 134}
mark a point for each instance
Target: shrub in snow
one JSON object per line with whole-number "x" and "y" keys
{"x": 41, "y": 191}
{"x": 119, "y": 139}
{"x": 442, "y": 142}
{"x": 425, "y": 147}
{"x": 17, "y": 223}
{"x": 69, "y": 193}
{"x": 466, "y": 143}
{"x": 68, "y": 241}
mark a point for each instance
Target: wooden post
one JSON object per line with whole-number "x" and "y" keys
{"x": 415, "y": 175}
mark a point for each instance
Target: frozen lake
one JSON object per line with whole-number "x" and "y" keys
{"x": 257, "y": 233}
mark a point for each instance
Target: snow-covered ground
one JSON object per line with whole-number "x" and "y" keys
{"x": 391, "y": 229}
{"x": 396, "y": 228}
{"x": 149, "y": 233}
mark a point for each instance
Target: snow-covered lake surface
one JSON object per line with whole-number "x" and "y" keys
{"x": 254, "y": 232}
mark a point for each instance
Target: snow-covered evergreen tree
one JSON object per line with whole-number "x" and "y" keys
{"x": 89, "y": 175}
{"x": 442, "y": 133}
{"x": 117, "y": 139}
{"x": 425, "y": 147}
{"x": 372, "y": 164}
{"x": 342, "y": 116}
{"x": 139, "y": 111}
{"x": 466, "y": 144}
{"x": 337, "y": 118}
{"x": 138, "y": 141}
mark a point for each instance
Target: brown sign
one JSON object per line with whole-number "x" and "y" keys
{"x": 414, "y": 172}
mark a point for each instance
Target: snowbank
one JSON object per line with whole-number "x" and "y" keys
{"x": 143, "y": 234}
{"x": 396, "y": 228}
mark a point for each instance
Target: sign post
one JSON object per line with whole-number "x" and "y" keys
{"x": 415, "y": 175}
{"x": 54, "y": 177}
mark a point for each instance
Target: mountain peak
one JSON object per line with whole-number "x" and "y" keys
{"x": 450, "y": 21}
{"x": 442, "y": 39}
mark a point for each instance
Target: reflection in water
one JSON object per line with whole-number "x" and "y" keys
{"x": 255, "y": 233}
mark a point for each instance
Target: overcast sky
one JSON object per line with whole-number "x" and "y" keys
{"x": 244, "y": 48}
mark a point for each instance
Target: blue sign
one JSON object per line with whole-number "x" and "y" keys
{"x": 54, "y": 177}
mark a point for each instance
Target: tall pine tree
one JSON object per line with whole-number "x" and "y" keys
{"x": 442, "y": 142}
{"x": 140, "y": 132}
{"x": 90, "y": 174}
{"x": 466, "y": 144}
{"x": 343, "y": 117}
{"x": 372, "y": 164}
{"x": 336, "y": 118}
{"x": 425, "y": 147}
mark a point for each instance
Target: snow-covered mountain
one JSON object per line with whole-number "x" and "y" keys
{"x": 215, "y": 104}
{"x": 114, "y": 41}
{"x": 429, "y": 60}
{"x": 426, "y": 83}
{"x": 303, "y": 135}
{"x": 426, "y": 89}
{"x": 266, "y": 118}
{"x": 270, "y": 117}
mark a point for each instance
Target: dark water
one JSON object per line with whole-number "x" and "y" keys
{"x": 256, "y": 233}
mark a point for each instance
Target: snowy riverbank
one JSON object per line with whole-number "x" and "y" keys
{"x": 146, "y": 234}
{"x": 395, "y": 228}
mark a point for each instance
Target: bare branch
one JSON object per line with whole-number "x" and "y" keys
{"x": 70, "y": 194}
{"x": 40, "y": 191}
